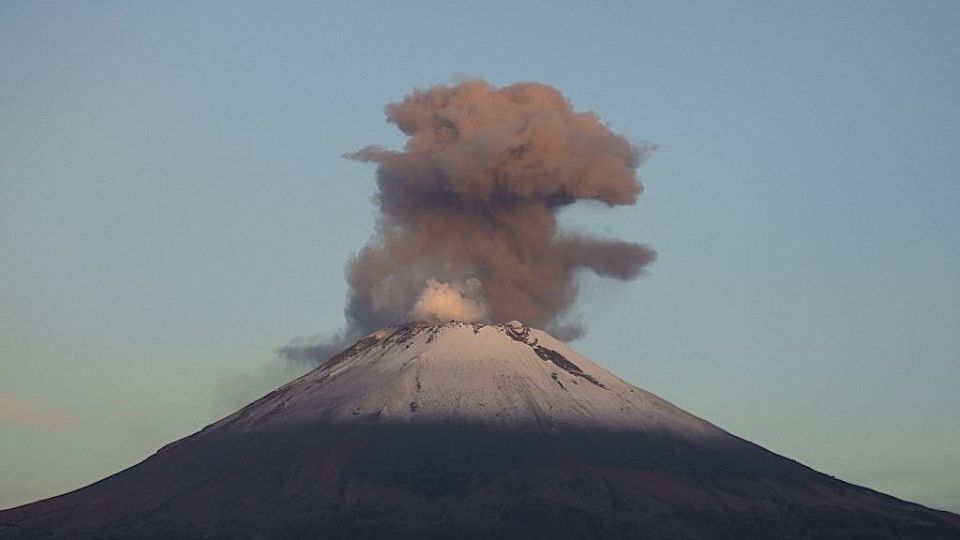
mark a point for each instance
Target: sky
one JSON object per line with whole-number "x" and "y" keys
{"x": 174, "y": 206}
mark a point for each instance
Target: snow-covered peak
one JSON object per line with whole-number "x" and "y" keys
{"x": 507, "y": 375}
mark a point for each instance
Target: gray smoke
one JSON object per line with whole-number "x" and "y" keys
{"x": 467, "y": 227}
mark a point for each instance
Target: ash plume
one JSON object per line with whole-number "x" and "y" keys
{"x": 468, "y": 211}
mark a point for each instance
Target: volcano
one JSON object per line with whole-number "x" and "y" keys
{"x": 468, "y": 431}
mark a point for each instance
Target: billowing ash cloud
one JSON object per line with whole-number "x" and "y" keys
{"x": 467, "y": 227}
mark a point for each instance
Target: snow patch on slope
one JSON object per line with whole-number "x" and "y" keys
{"x": 503, "y": 375}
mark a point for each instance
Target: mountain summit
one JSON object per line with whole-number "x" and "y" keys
{"x": 469, "y": 431}
{"x": 504, "y": 376}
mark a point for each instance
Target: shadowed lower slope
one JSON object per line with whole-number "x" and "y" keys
{"x": 382, "y": 481}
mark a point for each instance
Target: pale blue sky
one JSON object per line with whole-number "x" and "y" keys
{"x": 173, "y": 206}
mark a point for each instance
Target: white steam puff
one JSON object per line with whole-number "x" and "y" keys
{"x": 458, "y": 301}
